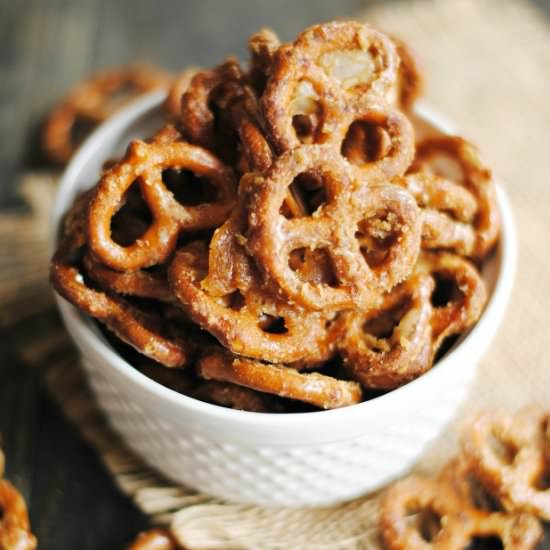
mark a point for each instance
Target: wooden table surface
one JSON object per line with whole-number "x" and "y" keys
{"x": 45, "y": 46}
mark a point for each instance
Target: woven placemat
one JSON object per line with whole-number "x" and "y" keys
{"x": 487, "y": 64}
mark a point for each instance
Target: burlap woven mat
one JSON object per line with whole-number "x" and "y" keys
{"x": 488, "y": 69}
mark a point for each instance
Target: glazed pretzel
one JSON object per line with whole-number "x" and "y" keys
{"x": 262, "y": 47}
{"x": 95, "y": 100}
{"x": 384, "y": 213}
{"x": 202, "y": 105}
{"x": 447, "y": 211}
{"x": 142, "y": 330}
{"x": 513, "y": 469}
{"x": 154, "y": 539}
{"x": 145, "y": 163}
{"x": 462, "y": 302}
{"x": 15, "y": 530}
{"x": 474, "y": 176}
{"x": 323, "y": 76}
{"x": 253, "y": 323}
{"x": 409, "y": 84}
{"x": 313, "y": 388}
{"x": 140, "y": 283}
{"x": 179, "y": 87}
{"x": 454, "y": 524}
{"x": 382, "y": 361}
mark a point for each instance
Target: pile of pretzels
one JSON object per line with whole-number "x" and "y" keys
{"x": 285, "y": 238}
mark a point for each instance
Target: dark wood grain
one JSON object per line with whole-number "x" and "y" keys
{"x": 45, "y": 46}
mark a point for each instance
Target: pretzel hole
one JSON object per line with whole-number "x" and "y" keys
{"x": 306, "y": 112}
{"x": 446, "y": 291}
{"x": 383, "y": 325}
{"x": 235, "y": 300}
{"x": 365, "y": 142}
{"x": 273, "y": 325}
{"x": 376, "y": 235}
{"x": 504, "y": 450}
{"x": 188, "y": 188}
{"x": 314, "y": 266}
{"x": 132, "y": 219}
{"x": 542, "y": 483}
{"x": 480, "y": 497}
{"x": 490, "y": 542}
{"x": 426, "y": 520}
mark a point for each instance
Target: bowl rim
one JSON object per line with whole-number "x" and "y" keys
{"x": 82, "y": 328}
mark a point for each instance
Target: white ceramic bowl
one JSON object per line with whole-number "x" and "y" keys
{"x": 301, "y": 459}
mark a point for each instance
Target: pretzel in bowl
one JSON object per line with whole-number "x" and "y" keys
{"x": 144, "y": 330}
{"x": 421, "y": 513}
{"x": 95, "y": 100}
{"x": 456, "y": 159}
{"x": 146, "y": 164}
{"x": 253, "y": 323}
{"x": 314, "y": 388}
{"x": 181, "y": 84}
{"x": 381, "y": 214}
{"x": 262, "y": 47}
{"x": 15, "y": 530}
{"x": 508, "y": 454}
{"x": 391, "y": 343}
{"x": 319, "y": 79}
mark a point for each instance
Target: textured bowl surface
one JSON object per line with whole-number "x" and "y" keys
{"x": 307, "y": 459}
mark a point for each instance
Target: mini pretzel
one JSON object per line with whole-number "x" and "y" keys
{"x": 94, "y": 101}
{"x": 314, "y": 388}
{"x": 383, "y": 361}
{"x": 200, "y": 110}
{"x": 383, "y": 151}
{"x": 179, "y": 87}
{"x": 154, "y": 539}
{"x": 475, "y": 177}
{"x": 514, "y": 469}
{"x": 15, "y": 530}
{"x": 145, "y": 163}
{"x": 447, "y": 211}
{"x": 414, "y": 495}
{"x": 454, "y": 523}
{"x": 409, "y": 84}
{"x": 234, "y": 396}
{"x": 324, "y": 74}
{"x": 262, "y": 47}
{"x": 384, "y": 213}
{"x": 462, "y": 303}
{"x": 142, "y": 330}
{"x": 243, "y": 321}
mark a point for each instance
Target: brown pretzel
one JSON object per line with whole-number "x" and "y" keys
{"x": 140, "y": 283}
{"x": 253, "y": 323}
{"x": 143, "y": 330}
{"x": 474, "y": 176}
{"x": 202, "y": 105}
{"x": 314, "y": 388}
{"x": 145, "y": 163}
{"x": 409, "y": 84}
{"x": 322, "y": 76}
{"x": 179, "y": 87}
{"x": 448, "y": 210}
{"x": 383, "y": 213}
{"x": 15, "y": 530}
{"x": 154, "y": 539}
{"x": 507, "y": 454}
{"x": 439, "y": 525}
{"x": 446, "y": 520}
{"x": 94, "y": 101}
{"x": 390, "y": 344}
{"x": 460, "y": 294}
{"x": 262, "y": 46}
